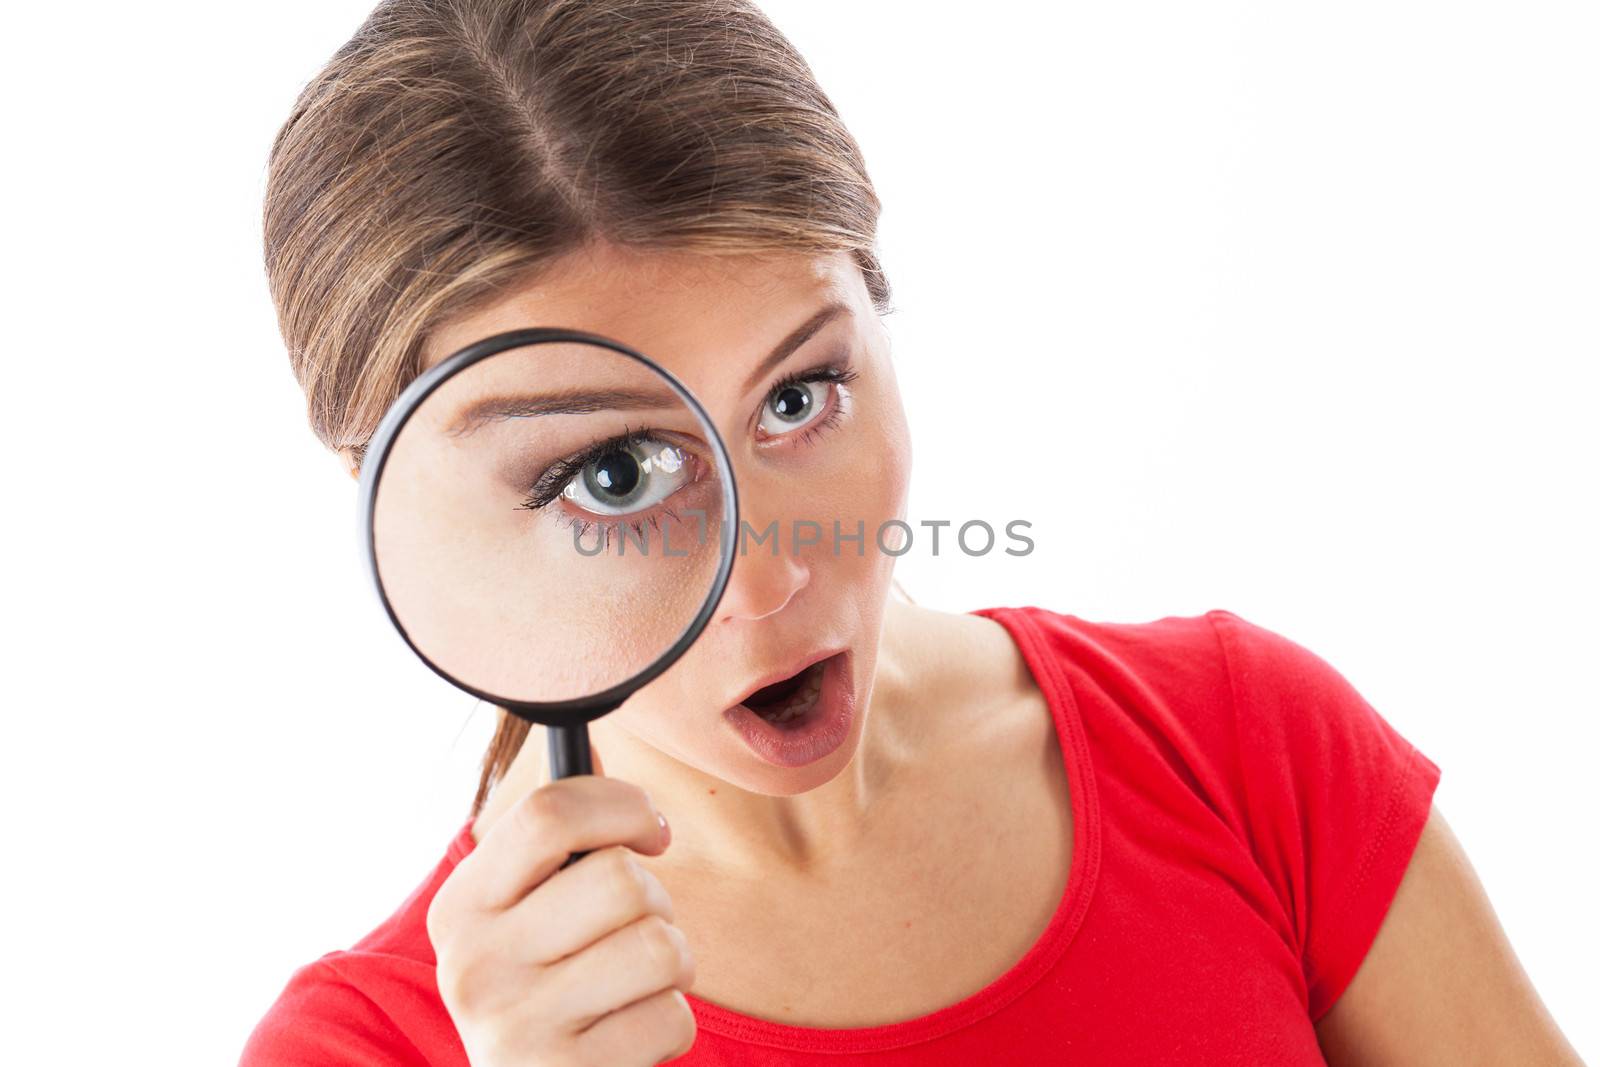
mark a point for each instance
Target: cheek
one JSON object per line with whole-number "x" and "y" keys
{"x": 868, "y": 484}
{"x": 883, "y": 467}
{"x": 897, "y": 460}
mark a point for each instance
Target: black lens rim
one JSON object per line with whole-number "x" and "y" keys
{"x": 578, "y": 710}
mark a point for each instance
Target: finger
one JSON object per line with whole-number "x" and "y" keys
{"x": 658, "y": 1028}
{"x": 579, "y": 905}
{"x": 530, "y": 841}
{"x": 642, "y": 958}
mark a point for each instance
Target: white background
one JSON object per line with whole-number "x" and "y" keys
{"x": 1288, "y": 309}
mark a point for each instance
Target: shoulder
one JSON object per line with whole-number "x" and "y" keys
{"x": 1208, "y": 670}
{"x": 1238, "y": 716}
{"x": 326, "y": 1015}
{"x": 1169, "y": 644}
{"x": 1212, "y": 719}
{"x": 1212, "y": 727}
{"x": 1292, "y": 704}
{"x": 1153, "y": 674}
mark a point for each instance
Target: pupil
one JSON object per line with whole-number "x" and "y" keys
{"x": 792, "y": 402}
{"x": 617, "y": 473}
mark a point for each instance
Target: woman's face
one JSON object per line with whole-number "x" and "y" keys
{"x": 791, "y": 362}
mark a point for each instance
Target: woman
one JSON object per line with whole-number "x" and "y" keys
{"x": 1042, "y": 840}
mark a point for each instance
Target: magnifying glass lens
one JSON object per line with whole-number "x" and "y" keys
{"x": 546, "y": 523}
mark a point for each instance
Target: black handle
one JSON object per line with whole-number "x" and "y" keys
{"x": 569, "y": 755}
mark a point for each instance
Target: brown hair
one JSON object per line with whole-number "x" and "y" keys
{"x": 452, "y": 148}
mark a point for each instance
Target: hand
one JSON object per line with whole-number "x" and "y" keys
{"x": 544, "y": 966}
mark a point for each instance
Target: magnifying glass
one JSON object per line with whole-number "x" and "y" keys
{"x": 549, "y": 518}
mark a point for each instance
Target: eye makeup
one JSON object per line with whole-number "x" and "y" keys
{"x": 838, "y": 374}
{"x": 556, "y": 477}
{"x": 638, "y": 456}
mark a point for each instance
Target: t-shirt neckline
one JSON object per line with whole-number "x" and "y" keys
{"x": 1026, "y": 971}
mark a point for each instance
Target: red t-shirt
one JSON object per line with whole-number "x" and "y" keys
{"x": 1242, "y": 818}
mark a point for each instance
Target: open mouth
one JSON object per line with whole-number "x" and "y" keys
{"x": 788, "y": 702}
{"x": 795, "y": 721}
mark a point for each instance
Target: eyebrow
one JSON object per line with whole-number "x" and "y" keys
{"x": 797, "y": 337}
{"x": 585, "y": 402}
{"x": 570, "y": 402}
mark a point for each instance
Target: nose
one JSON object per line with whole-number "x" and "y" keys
{"x": 762, "y": 584}
{"x": 764, "y": 581}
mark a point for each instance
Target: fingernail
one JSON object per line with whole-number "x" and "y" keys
{"x": 666, "y": 831}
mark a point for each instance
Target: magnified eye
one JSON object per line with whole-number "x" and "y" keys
{"x": 794, "y": 405}
{"x": 627, "y": 478}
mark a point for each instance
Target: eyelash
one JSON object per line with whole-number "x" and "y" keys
{"x": 550, "y": 484}
{"x": 611, "y": 528}
{"x": 552, "y": 481}
{"x": 839, "y": 373}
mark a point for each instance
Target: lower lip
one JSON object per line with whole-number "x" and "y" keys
{"x": 825, "y": 729}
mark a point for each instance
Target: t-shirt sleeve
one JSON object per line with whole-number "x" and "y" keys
{"x": 1337, "y": 798}
{"x": 320, "y": 1018}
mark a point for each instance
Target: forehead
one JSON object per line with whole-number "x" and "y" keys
{"x": 679, "y": 308}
